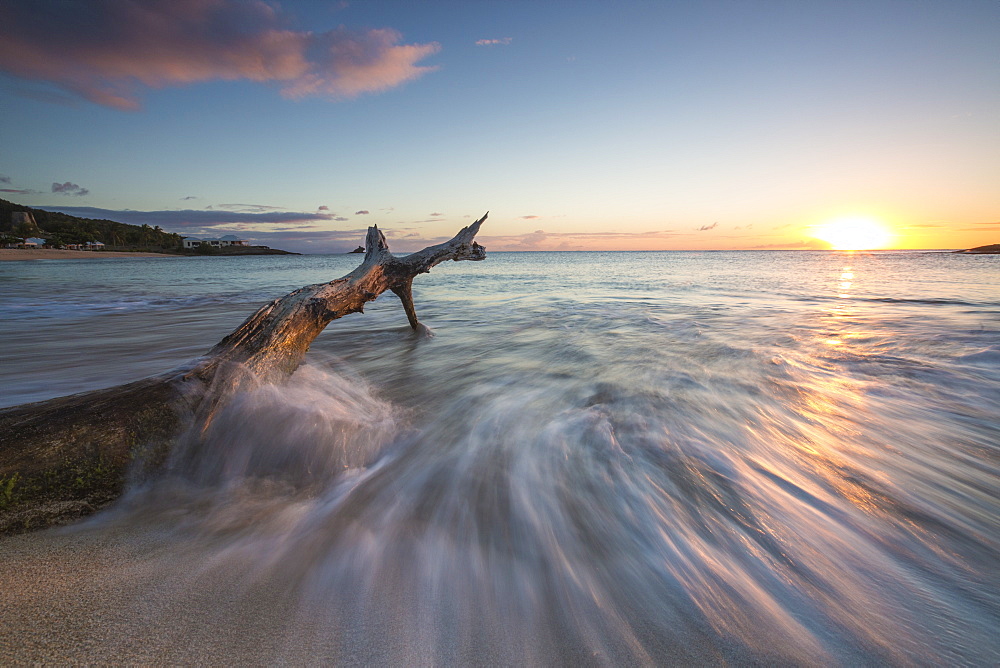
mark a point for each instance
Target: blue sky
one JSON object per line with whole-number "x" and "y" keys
{"x": 648, "y": 125}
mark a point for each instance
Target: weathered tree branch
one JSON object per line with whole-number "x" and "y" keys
{"x": 63, "y": 458}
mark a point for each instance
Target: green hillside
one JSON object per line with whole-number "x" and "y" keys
{"x": 61, "y": 228}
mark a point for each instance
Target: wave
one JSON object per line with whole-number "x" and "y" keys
{"x": 539, "y": 519}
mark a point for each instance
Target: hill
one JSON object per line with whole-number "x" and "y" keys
{"x": 992, "y": 249}
{"x": 65, "y": 229}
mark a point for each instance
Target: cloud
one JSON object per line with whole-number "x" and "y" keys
{"x": 4, "y": 179}
{"x": 186, "y": 219}
{"x": 69, "y": 189}
{"x": 435, "y": 214}
{"x": 703, "y": 228}
{"x": 323, "y": 208}
{"x": 250, "y": 208}
{"x": 504, "y": 41}
{"x": 542, "y": 240}
{"x": 340, "y": 219}
{"x": 363, "y": 212}
{"x": 307, "y": 240}
{"x": 534, "y": 239}
{"x": 189, "y": 197}
{"x": 16, "y": 191}
{"x": 530, "y": 217}
{"x": 108, "y": 51}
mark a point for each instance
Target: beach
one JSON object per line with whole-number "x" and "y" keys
{"x": 119, "y": 598}
{"x": 14, "y": 254}
{"x": 780, "y": 458}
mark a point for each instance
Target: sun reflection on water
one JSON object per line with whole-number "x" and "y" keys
{"x": 846, "y": 280}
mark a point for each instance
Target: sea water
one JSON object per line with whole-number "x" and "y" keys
{"x": 610, "y": 458}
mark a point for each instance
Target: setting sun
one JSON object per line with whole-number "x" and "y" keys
{"x": 855, "y": 233}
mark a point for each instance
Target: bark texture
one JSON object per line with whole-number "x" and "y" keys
{"x": 64, "y": 458}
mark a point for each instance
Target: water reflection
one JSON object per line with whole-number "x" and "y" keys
{"x": 846, "y": 280}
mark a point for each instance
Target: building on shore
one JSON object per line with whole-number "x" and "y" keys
{"x": 221, "y": 242}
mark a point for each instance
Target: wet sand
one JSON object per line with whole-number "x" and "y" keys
{"x": 10, "y": 254}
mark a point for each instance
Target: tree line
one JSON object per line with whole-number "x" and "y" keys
{"x": 60, "y": 229}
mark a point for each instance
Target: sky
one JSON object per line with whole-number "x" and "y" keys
{"x": 577, "y": 125}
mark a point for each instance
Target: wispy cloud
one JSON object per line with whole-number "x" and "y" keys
{"x": 542, "y": 240}
{"x": 324, "y": 208}
{"x": 189, "y": 197}
{"x": 363, "y": 212}
{"x": 503, "y": 41}
{"x": 6, "y": 180}
{"x": 704, "y": 228}
{"x": 530, "y": 217}
{"x": 108, "y": 51}
{"x": 250, "y": 208}
{"x": 69, "y": 189}
{"x": 186, "y": 219}
{"x": 809, "y": 244}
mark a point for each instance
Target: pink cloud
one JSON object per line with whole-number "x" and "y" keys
{"x": 494, "y": 42}
{"x": 107, "y": 50}
{"x": 542, "y": 240}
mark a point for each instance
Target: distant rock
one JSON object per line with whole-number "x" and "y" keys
{"x": 359, "y": 249}
{"x": 992, "y": 249}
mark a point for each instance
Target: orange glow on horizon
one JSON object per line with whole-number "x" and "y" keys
{"x": 854, "y": 233}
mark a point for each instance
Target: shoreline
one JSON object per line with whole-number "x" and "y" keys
{"x": 15, "y": 254}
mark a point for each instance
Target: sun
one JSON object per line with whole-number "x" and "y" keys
{"x": 854, "y": 233}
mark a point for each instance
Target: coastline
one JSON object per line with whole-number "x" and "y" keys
{"x": 14, "y": 254}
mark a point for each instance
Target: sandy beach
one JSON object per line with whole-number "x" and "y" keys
{"x": 122, "y": 594}
{"x": 129, "y": 596}
{"x": 12, "y": 254}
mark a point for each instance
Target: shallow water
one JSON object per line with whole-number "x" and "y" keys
{"x": 608, "y": 458}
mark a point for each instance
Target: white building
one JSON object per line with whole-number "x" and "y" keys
{"x": 228, "y": 240}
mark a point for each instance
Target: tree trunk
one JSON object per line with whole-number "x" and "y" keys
{"x": 64, "y": 458}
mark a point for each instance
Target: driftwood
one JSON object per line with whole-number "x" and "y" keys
{"x": 66, "y": 457}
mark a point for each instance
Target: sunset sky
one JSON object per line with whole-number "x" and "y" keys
{"x": 578, "y": 125}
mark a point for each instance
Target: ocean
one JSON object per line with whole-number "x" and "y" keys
{"x": 608, "y": 458}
